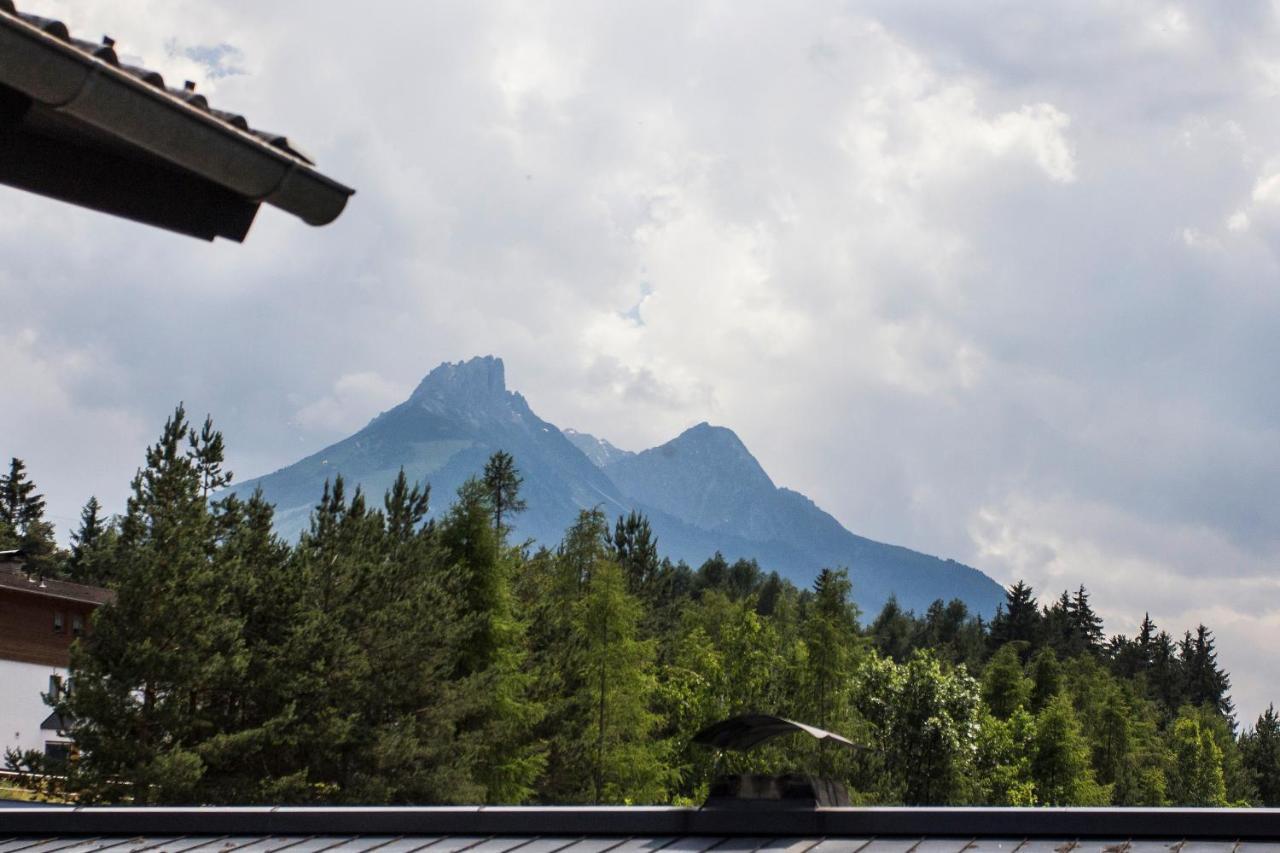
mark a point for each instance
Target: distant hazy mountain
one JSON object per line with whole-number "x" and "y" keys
{"x": 599, "y": 451}
{"x": 703, "y": 491}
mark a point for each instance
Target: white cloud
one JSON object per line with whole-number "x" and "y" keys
{"x": 930, "y": 261}
{"x": 346, "y": 408}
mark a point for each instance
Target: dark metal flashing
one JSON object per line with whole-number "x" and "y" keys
{"x": 651, "y": 822}
{"x": 747, "y": 731}
{"x": 78, "y": 125}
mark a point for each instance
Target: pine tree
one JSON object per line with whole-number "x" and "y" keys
{"x": 156, "y": 676}
{"x": 635, "y": 549}
{"x": 502, "y": 482}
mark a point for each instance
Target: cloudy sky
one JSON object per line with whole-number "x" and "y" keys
{"x": 995, "y": 281}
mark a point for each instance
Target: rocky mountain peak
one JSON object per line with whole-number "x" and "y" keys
{"x": 473, "y": 387}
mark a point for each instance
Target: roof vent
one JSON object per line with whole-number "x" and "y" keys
{"x": 755, "y": 791}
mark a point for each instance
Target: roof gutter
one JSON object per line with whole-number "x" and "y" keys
{"x": 100, "y": 94}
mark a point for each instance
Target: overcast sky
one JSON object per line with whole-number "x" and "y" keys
{"x": 995, "y": 280}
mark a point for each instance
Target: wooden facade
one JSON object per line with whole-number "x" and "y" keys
{"x": 40, "y": 619}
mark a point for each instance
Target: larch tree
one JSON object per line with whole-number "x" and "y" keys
{"x": 502, "y": 482}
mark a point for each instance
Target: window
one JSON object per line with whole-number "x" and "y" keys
{"x": 55, "y": 687}
{"x": 77, "y": 624}
{"x": 59, "y": 621}
{"x": 58, "y": 753}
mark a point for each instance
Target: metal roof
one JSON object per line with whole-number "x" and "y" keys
{"x": 78, "y": 124}
{"x": 631, "y": 829}
{"x": 746, "y": 731}
{"x": 12, "y": 577}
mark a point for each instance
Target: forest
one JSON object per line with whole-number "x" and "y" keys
{"x": 388, "y": 657}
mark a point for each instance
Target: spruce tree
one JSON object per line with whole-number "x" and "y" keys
{"x": 1206, "y": 684}
{"x": 1260, "y": 750}
{"x": 1086, "y": 625}
{"x": 90, "y": 544}
{"x": 830, "y": 632}
{"x": 22, "y": 520}
{"x": 1018, "y": 619}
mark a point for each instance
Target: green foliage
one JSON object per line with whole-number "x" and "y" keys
{"x": 1060, "y": 759}
{"x": 22, "y": 521}
{"x": 502, "y": 484}
{"x": 926, "y": 721}
{"x": 1261, "y": 755}
{"x": 1197, "y": 778}
{"x": 386, "y": 657}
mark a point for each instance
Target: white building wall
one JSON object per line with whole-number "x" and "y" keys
{"x": 21, "y": 708}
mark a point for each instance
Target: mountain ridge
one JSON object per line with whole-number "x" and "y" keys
{"x": 703, "y": 491}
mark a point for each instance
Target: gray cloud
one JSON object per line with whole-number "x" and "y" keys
{"x": 996, "y": 282}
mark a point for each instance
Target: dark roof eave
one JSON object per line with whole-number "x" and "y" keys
{"x": 70, "y": 81}
{"x": 967, "y": 823}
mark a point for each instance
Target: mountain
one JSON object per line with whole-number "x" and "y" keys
{"x": 599, "y": 451}
{"x": 702, "y": 491}
{"x": 708, "y": 478}
{"x": 443, "y": 434}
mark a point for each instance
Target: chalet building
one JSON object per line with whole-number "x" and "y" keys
{"x": 39, "y": 620}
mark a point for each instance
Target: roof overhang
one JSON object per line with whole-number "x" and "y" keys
{"x": 667, "y": 824}
{"x": 78, "y": 126}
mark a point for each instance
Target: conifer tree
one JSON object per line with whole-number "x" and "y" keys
{"x": 1005, "y": 688}
{"x": 635, "y": 549}
{"x": 1205, "y": 682}
{"x": 1060, "y": 761}
{"x": 22, "y": 520}
{"x": 1046, "y": 679}
{"x": 494, "y": 659}
{"x": 892, "y": 632}
{"x": 89, "y": 545}
{"x": 1018, "y": 619}
{"x": 830, "y": 632}
{"x": 1260, "y": 750}
{"x": 1086, "y": 625}
{"x": 502, "y": 482}
{"x": 155, "y": 677}
{"x": 615, "y": 725}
